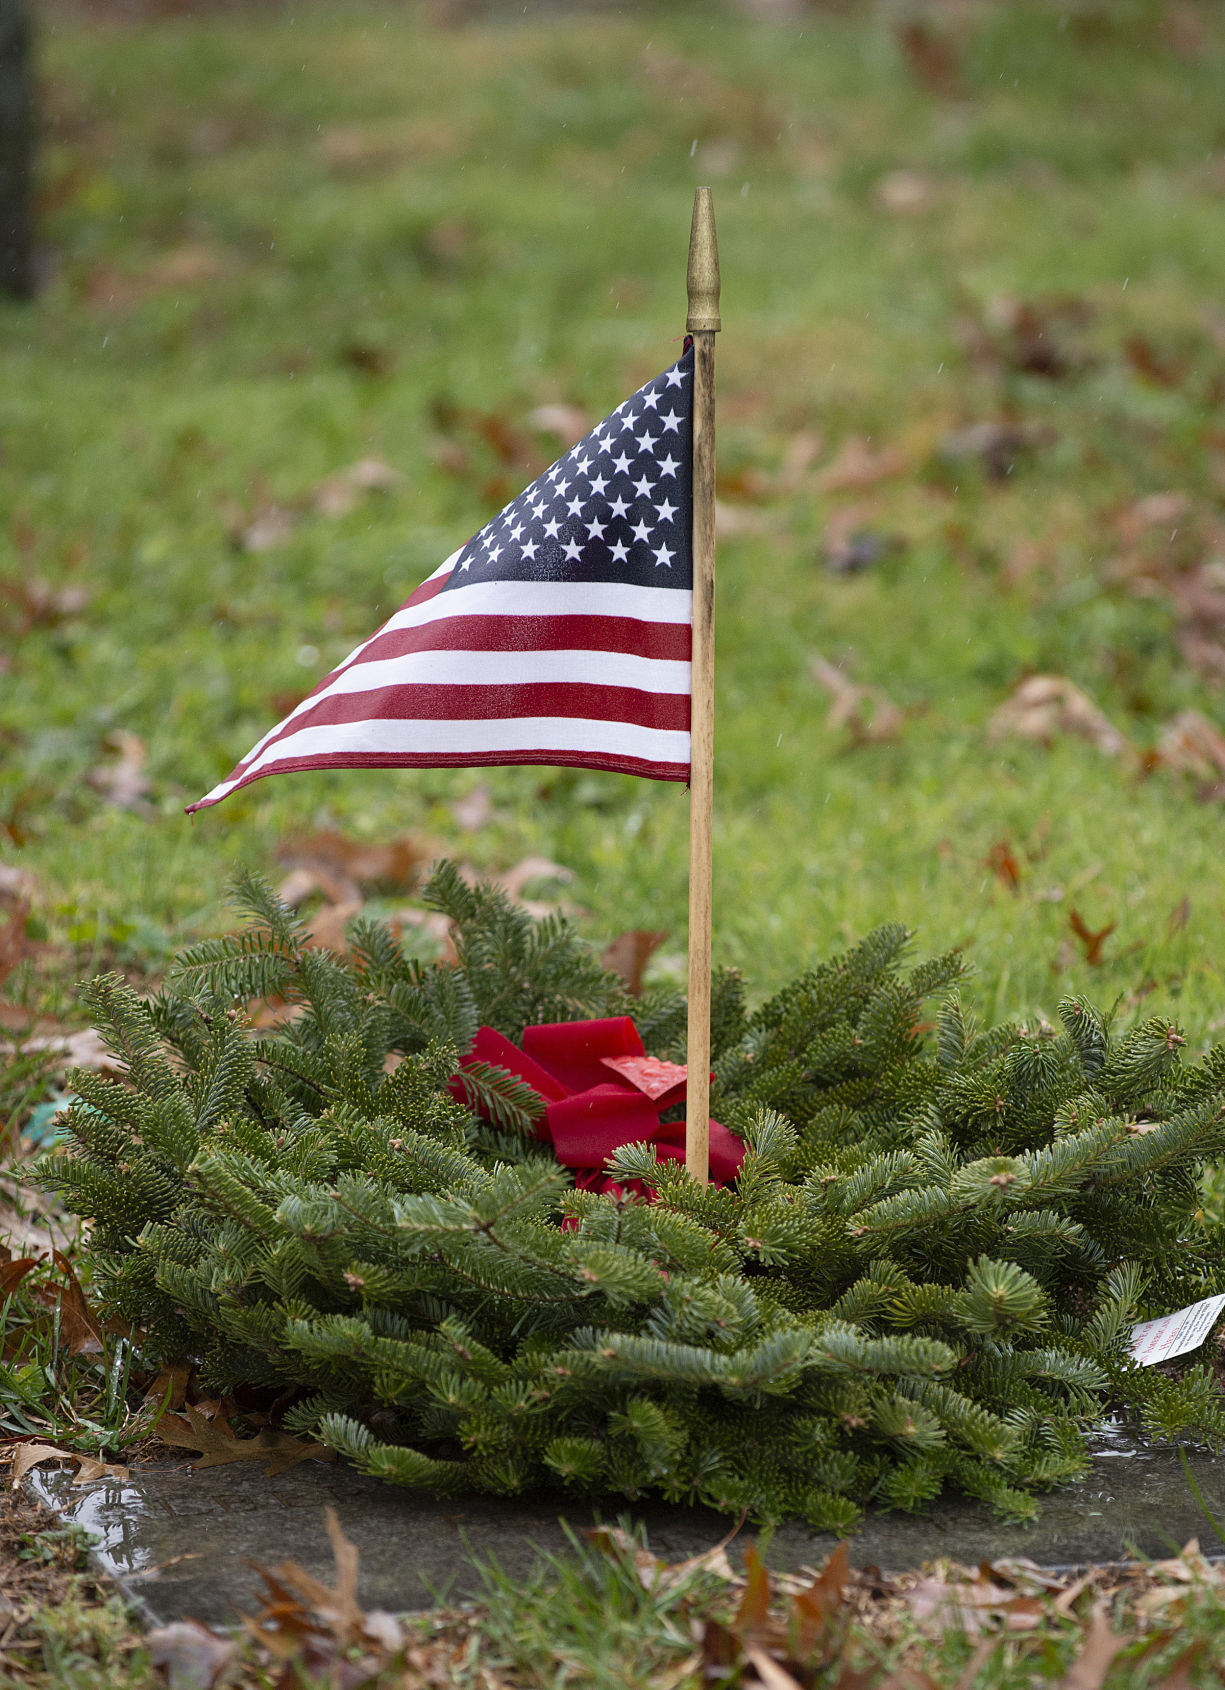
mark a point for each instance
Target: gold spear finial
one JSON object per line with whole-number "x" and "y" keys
{"x": 703, "y": 274}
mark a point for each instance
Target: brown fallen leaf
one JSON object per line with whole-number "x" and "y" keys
{"x": 219, "y": 1444}
{"x": 1159, "y": 368}
{"x": 815, "y": 1607}
{"x": 1097, "y": 1652}
{"x": 473, "y": 810}
{"x": 190, "y": 1655}
{"x": 80, "y": 1328}
{"x": 771, "y": 1674}
{"x": 931, "y": 58}
{"x": 322, "y": 1624}
{"x": 515, "y": 879}
{"x": 17, "y": 883}
{"x": 994, "y": 445}
{"x": 1181, "y": 1675}
{"x": 1091, "y": 941}
{"x": 170, "y": 1385}
{"x": 973, "y": 1605}
{"x": 15, "y": 942}
{"x": 905, "y": 192}
{"x": 851, "y": 543}
{"x": 269, "y": 528}
{"x": 867, "y": 712}
{"x": 731, "y": 520}
{"x": 655, "y": 1574}
{"x": 1039, "y": 337}
{"x": 801, "y": 452}
{"x": 628, "y": 955}
{"x": 28, "y": 1456}
{"x": 753, "y": 1614}
{"x": 859, "y": 465}
{"x": 347, "y": 866}
{"x": 328, "y": 926}
{"x": 567, "y": 423}
{"x": 13, "y": 1272}
{"x": 1045, "y": 706}
{"x": 122, "y": 780}
{"x": 30, "y": 602}
{"x": 617, "y": 1544}
{"x": 1020, "y": 1570}
{"x": 1192, "y": 744}
{"x": 341, "y": 493}
{"x": 18, "y": 1226}
{"x": 1002, "y": 862}
{"x": 81, "y": 1048}
{"x": 1165, "y": 510}
{"x": 303, "y": 883}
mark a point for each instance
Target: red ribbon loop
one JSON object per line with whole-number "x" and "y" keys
{"x": 601, "y": 1091}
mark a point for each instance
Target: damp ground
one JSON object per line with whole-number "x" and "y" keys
{"x": 182, "y": 1542}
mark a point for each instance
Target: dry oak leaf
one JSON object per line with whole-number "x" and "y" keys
{"x": 300, "y": 1609}
{"x": 170, "y": 1385}
{"x": 352, "y": 863}
{"x": 515, "y": 881}
{"x": 1045, "y": 706}
{"x": 192, "y": 1657}
{"x": 735, "y": 519}
{"x": 1091, "y": 940}
{"x": 219, "y": 1445}
{"x": 867, "y": 712}
{"x": 852, "y": 543}
{"x": 1192, "y": 744}
{"x": 628, "y": 955}
{"x": 28, "y": 1456}
{"x": 80, "y": 1328}
{"x": 972, "y": 1605}
{"x": 567, "y": 423}
{"x": 272, "y": 527}
{"x": 474, "y": 809}
{"x": 1101, "y": 1645}
{"x": 859, "y": 465}
{"x": 83, "y": 1048}
{"x": 13, "y": 1272}
{"x": 654, "y": 1574}
{"x": 343, "y": 492}
{"x": 328, "y": 925}
{"x": 1002, "y": 861}
{"x": 904, "y": 191}
{"x": 123, "y": 782}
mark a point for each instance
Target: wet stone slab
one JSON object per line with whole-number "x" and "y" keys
{"x": 180, "y": 1542}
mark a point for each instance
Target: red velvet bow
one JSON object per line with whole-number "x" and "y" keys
{"x": 601, "y": 1091}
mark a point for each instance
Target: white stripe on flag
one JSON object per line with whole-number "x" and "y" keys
{"x": 548, "y": 598}
{"x": 507, "y": 668}
{"x": 481, "y": 735}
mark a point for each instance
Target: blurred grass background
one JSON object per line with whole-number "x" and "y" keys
{"x": 281, "y": 241}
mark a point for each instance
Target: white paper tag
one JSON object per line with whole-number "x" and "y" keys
{"x": 1174, "y": 1334}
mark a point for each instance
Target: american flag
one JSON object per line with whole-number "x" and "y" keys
{"x": 559, "y": 634}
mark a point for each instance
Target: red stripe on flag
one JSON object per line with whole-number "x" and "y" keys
{"x": 626, "y": 635}
{"x": 463, "y": 703}
{"x": 427, "y": 590}
{"x": 641, "y": 766}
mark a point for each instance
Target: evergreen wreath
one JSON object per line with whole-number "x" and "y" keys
{"x": 924, "y": 1276}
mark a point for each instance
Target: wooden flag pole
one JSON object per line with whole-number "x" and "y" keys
{"x": 703, "y": 324}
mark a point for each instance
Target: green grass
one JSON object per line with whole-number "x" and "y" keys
{"x": 283, "y": 241}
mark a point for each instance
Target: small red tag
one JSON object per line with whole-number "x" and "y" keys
{"x": 648, "y": 1074}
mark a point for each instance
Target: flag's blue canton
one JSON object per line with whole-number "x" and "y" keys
{"x": 618, "y": 507}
